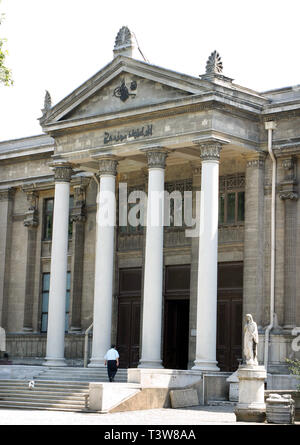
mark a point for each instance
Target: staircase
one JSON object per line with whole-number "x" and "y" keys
{"x": 55, "y": 388}
{"x": 80, "y": 374}
{"x": 58, "y": 396}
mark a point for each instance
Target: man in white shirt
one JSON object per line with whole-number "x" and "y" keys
{"x": 111, "y": 359}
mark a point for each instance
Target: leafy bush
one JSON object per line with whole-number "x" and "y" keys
{"x": 294, "y": 368}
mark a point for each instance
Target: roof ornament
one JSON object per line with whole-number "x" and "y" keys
{"x": 47, "y": 103}
{"x": 126, "y": 44}
{"x": 124, "y": 38}
{"x": 214, "y": 64}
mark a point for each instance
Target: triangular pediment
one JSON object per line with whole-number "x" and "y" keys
{"x": 123, "y": 85}
{"x": 127, "y": 91}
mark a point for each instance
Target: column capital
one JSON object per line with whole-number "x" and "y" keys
{"x": 210, "y": 148}
{"x": 7, "y": 194}
{"x": 62, "y": 170}
{"x": 156, "y": 156}
{"x": 107, "y": 164}
{"x": 256, "y": 160}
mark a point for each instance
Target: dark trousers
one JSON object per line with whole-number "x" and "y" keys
{"x": 111, "y": 369}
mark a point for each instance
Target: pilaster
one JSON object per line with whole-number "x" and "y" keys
{"x": 288, "y": 193}
{"x": 253, "y": 293}
{"x": 78, "y": 218}
{"x": 6, "y": 209}
{"x": 31, "y": 221}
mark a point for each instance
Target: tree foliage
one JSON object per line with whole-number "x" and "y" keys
{"x": 5, "y": 73}
{"x": 294, "y": 368}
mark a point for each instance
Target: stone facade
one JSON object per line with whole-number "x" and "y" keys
{"x": 163, "y": 110}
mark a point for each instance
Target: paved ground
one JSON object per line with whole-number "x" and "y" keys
{"x": 188, "y": 416}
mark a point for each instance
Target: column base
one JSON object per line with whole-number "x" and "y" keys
{"x": 96, "y": 363}
{"x": 155, "y": 364}
{"x": 51, "y": 361}
{"x": 206, "y": 365}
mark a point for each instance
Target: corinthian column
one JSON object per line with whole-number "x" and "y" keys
{"x": 59, "y": 264}
{"x": 104, "y": 262}
{"x": 208, "y": 258}
{"x": 153, "y": 275}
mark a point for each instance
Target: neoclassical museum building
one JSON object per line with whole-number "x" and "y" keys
{"x": 82, "y": 248}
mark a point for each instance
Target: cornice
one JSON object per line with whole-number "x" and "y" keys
{"x": 193, "y": 103}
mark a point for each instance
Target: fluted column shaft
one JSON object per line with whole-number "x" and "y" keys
{"x": 205, "y": 359}
{"x": 59, "y": 266}
{"x": 104, "y": 262}
{"x": 153, "y": 275}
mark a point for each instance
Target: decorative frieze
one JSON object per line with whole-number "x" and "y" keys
{"x": 232, "y": 182}
{"x": 256, "y": 163}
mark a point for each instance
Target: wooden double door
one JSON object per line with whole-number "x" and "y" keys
{"x": 129, "y": 317}
{"x": 229, "y": 315}
{"x": 176, "y": 316}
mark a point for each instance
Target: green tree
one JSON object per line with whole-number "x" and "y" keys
{"x": 5, "y": 73}
{"x": 294, "y": 368}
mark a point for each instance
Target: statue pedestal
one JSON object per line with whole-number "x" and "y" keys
{"x": 251, "y": 406}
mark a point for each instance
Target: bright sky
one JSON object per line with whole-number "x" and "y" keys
{"x": 56, "y": 45}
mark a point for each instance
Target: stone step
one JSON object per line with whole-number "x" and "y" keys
{"x": 79, "y": 379}
{"x": 46, "y": 406}
{"x": 53, "y": 395}
{"x": 79, "y": 374}
{"x": 45, "y": 383}
{"x": 220, "y": 403}
{"x": 36, "y": 394}
{"x": 47, "y": 400}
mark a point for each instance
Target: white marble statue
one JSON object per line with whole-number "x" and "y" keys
{"x": 250, "y": 341}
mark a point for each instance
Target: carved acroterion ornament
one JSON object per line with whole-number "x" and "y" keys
{"x": 124, "y": 38}
{"x": 214, "y": 64}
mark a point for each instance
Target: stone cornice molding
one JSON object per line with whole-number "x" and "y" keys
{"x": 62, "y": 171}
